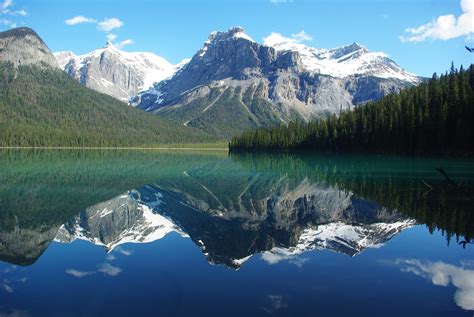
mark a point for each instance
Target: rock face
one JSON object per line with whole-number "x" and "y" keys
{"x": 114, "y": 72}
{"x": 233, "y": 83}
{"x": 23, "y": 246}
{"x": 22, "y": 46}
{"x": 129, "y": 218}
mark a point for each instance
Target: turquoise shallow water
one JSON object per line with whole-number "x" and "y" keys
{"x": 155, "y": 233}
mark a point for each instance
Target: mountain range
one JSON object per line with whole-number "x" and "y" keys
{"x": 41, "y": 106}
{"x": 233, "y": 83}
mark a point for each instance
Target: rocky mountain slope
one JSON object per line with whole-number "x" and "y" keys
{"x": 233, "y": 83}
{"x": 115, "y": 72}
{"x": 22, "y": 46}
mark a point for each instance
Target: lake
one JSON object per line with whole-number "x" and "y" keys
{"x": 163, "y": 233}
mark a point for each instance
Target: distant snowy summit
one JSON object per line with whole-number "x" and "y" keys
{"x": 115, "y": 72}
{"x": 344, "y": 61}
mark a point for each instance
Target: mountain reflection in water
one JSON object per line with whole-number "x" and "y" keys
{"x": 285, "y": 221}
{"x": 232, "y": 208}
{"x": 148, "y": 224}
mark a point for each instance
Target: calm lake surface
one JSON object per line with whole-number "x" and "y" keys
{"x": 155, "y": 233}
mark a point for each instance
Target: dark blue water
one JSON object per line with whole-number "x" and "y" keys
{"x": 204, "y": 234}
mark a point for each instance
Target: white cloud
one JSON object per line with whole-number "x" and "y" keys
{"x": 78, "y": 274}
{"x": 110, "y": 257}
{"x": 443, "y": 274}
{"x": 104, "y": 268}
{"x": 6, "y": 7}
{"x": 79, "y": 20}
{"x": 111, "y": 37}
{"x": 445, "y": 27}
{"x": 302, "y": 36}
{"x": 6, "y": 22}
{"x": 277, "y": 255}
{"x": 108, "y": 25}
{"x": 277, "y": 38}
{"x": 21, "y": 12}
{"x": 6, "y": 4}
{"x": 123, "y": 251}
{"x": 109, "y": 269}
{"x": 124, "y": 43}
{"x": 6, "y": 286}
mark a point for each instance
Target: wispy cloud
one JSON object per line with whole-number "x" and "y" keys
{"x": 301, "y": 36}
{"x": 124, "y": 43}
{"x": 123, "y": 251}
{"x": 443, "y": 274}
{"x": 6, "y": 4}
{"x": 104, "y": 268}
{"x": 106, "y": 25}
{"x": 110, "y": 257}
{"x": 277, "y": 255}
{"x": 109, "y": 24}
{"x": 6, "y": 286}
{"x": 7, "y": 22}
{"x": 77, "y": 273}
{"x": 445, "y": 27}
{"x": 109, "y": 269}
{"x": 79, "y": 19}
{"x": 21, "y": 12}
{"x": 274, "y": 303}
{"x": 277, "y": 38}
{"x": 111, "y": 37}
{"x": 6, "y": 8}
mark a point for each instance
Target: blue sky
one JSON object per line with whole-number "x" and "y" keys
{"x": 176, "y": 29}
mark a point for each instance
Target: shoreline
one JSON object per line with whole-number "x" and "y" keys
{"x": 187, "y": 148}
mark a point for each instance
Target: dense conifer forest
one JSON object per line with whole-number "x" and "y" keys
{"x": 435, "y": 117}
{"x": 44, "y": 107}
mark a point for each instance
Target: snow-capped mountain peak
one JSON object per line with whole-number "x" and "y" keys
{"x": 349, "y": 239}
{"x": 236, "y": 32}
{"x": 124, "y": 219}
{"x": 109, "y": 44}
{"x": 344, "y": 61}
{"x": 115, "y": 72}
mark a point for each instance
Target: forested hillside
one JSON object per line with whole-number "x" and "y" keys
{"x": 435, "y": 117}
{"x": 41, "y": 106}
